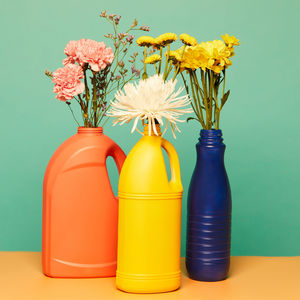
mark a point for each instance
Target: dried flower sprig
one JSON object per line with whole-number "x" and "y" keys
{"x": 102, "y": 69}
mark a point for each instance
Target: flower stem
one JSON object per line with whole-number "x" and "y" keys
{"x": 195, "y": 107}
{"x": 196, "y": 98}
{"x": 169, "y": 70}
{"x": 178, "y": 67}
{"x": 219, "y": 110}
{"x": 211, "y": 84}
{"x": 167, "y": 62}
{"x": 87, "y": 97}
{"x": 204, "y": 87}
{"x": 198, "y": 93}
{"x": 145, "y": 76}
{"x": 73, "y": 114}
{"x": 160, "y": 52}
{"x": 94, "y": 99}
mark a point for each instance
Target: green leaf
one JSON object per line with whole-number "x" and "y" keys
{"x": 224, "y": 98}
{"x": 192, "y": 118}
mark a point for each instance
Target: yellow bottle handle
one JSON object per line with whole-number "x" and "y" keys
{"x": 174, "y": 164}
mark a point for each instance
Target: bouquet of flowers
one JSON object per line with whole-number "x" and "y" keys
{"x": 102, "y": 69}
{"x": 153, "y": 98}
{"x": 202, "y": 65}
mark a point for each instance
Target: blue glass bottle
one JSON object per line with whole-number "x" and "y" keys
{"x": 209, "y": 212}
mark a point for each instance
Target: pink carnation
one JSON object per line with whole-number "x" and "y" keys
{"x": 85, "y": 51}
{"x": 67, "y": 82}
{"x": 71, "y": 51}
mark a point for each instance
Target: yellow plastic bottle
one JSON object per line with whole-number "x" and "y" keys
{"x": 149, "y": 218}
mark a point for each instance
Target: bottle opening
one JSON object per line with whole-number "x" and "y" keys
{"x": 211, "y": 137}
{"x": 151, "y": 132}
{"x": 93, "y": 130}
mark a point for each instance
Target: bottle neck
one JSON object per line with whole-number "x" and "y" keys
{"x": 151, "y": 132}
{"x": 88, "y": 130}
{"x": 211, "y": 137}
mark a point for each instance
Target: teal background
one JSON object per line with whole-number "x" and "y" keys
{"x": 260, "y": 121}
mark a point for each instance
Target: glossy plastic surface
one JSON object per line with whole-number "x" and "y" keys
{"x": 80, "y": 211}
{"x": 149, "y": 219}
{"x": 209, "y": 212}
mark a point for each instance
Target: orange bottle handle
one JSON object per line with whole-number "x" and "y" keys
{"x": 174, "y": 164}
{"x": 118, "y": 155}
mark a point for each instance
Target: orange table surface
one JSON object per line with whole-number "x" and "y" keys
{"x": 251, "y": 277}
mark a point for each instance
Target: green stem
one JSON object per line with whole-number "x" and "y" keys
{"x": 160, "y": 52}
{"x": 224, "y": 83}
{"x": 211, "y": 85}
{"x": 144, "y": 76}
{"x": 178, "y": 67}
{"x": 185, "y": 84}
{"x": 219, "y": 111}
{"x": 167, "y": 62}
{"x": 196, "y": 109}
{"x": 87, "y": 98}
{"x": 196, "y": 92}
{"x": 103, "y": 114}
{"x": 94, "y": 99}
{"x": 73, "y": 114}
{"x": 204, "y": 86}
{"x": 169, "y": 70}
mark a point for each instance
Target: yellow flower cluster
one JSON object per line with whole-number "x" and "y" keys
{"x": 160, "y": 41}
{"x": 213, "y": 55}
{"x": 230, "y": 41}
{"x": 152, "y": 59}
{"x": 193, "y": 58}
{"x": 145, "y": 41}
{"x": 165, "y": 39}
{"x": 217, "y": 54}
{"x": 174, "y": 56}
{"x": 188, "y": 40}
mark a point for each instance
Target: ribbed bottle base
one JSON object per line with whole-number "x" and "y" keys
{"x": 148, "y": 283}
{"x": 208, "y": 246}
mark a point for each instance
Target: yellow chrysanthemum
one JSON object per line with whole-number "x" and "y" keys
{"x": 152, "y": 59}
{"x": 188, "y": 40}
{"x": 217, "y": 54}
{"x": 230, "y": 41}
{"x": 145, "y": 41}
{"x": 165, "y": 39}
{"x": 193, "y": 58}
{"x": 174, "y": 56}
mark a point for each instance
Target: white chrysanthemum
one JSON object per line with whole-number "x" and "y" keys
{"x": 151, "y": 99}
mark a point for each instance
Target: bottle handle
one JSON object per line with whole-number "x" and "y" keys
{"x": 174, "y": 164}
{"x": 118, "y": 156}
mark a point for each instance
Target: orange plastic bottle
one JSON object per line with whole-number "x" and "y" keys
{"x": 80, "y": 211}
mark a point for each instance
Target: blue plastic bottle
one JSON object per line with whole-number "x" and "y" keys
{"x": 209, "y": 212}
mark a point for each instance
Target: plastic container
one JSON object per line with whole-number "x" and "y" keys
{"x": 149, "y": 219}
{"x": 80, "y": 211}
{"x": 209, "y": 212}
